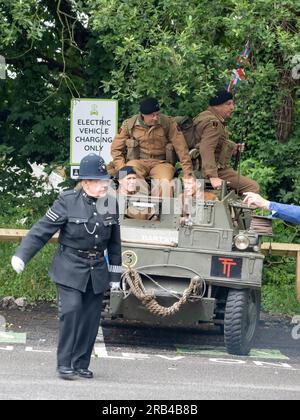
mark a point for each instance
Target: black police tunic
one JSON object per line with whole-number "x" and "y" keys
{"x": 84, "y": 236}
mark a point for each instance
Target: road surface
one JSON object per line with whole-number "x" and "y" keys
{"x": 133, "y": 363}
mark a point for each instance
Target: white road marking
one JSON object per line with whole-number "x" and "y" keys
{"x": 170, "y": 358}
{"x": 284, "y": 365}
{"x": 37, "y": 351}
{"x": 136, "y": 355}
{"x": 7, "y": 348}
{"x": 100, "y": 348}
{"x": 101, "y": 352}
{"x": 256, "y": 363}
{"x": 228, "y": 361}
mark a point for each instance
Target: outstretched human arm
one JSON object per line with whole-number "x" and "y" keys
{"x": 289, "y": 213}
{"x": 40, "y": 234}
{"x": 286, "y": 212}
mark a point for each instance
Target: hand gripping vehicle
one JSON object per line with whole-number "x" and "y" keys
{"x": 207, "y": 269}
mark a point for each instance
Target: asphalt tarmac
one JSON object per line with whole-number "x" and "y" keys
{"x": 133, "y": 362}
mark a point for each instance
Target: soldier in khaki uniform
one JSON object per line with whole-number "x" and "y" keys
{"x": 216, "y": 150}
{"x": 131, "y": 186}
{"x": 147, "y": 142}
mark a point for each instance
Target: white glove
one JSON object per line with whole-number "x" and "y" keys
{"x": 114, "y": 285}
{"x": 17, "y": 264}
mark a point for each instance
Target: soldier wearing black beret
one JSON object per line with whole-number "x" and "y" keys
{"x": 148, "y": 142}
{"x": 216, "y": 150}
{"x": 88, "y": 223}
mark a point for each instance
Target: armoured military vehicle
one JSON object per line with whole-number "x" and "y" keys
{"x": 211, "y": 263}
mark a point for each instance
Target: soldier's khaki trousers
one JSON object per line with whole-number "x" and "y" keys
{"x": 238, "y": 182}
{"x": 160, "y": 172}
{"x": 153, "y": 168}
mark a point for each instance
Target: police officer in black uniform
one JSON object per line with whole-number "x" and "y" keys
{"x": 88, "y": 222}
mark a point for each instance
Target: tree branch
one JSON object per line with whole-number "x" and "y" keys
{"x": 52, "y": 65}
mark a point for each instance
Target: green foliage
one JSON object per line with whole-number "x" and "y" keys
{"x": 23, "y": 198}
{"x": 176, "y": 50}
{"x": 264, "y": 175}
{"x": 34, "y": 283}
{"x": 280, "y": 299}
{"x": 179, "y": 51}
{"x": 286, "y": 232}
{"x": 171, "y": 55}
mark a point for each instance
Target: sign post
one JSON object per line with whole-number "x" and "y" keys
{"x": 2, "y": 67}
{"x": 94, "y": 124}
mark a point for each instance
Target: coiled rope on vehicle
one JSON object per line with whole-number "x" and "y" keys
{"x": 134, "y": 280}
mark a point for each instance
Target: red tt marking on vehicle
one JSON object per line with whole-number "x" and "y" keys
{"x": 227, "y": 264}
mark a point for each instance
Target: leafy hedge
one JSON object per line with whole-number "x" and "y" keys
{"x": 23, "y": 200}
{"x": 177, "y": 50}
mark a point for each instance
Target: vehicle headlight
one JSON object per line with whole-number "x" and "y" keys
{"x": 242, "y": 242}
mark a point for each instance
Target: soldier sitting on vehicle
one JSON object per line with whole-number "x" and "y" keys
{"x": 130, "y": 186}
{"x": 216, "y": 150}
{"x": 148, "y": 142}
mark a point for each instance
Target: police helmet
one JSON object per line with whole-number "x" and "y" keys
{"x": 93, "y": 166}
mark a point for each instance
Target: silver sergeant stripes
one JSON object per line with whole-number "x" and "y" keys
{"x": 51, "y": 215}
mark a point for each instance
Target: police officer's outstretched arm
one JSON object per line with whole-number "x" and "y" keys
{"x": 40, "y": 234}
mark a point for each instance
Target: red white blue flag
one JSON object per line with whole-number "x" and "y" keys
{"x": 239, "y": 73}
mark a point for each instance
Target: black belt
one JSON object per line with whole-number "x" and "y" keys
{"x": 90, "y": 253}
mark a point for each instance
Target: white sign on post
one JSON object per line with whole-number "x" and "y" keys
{"x": 94, "y": 124}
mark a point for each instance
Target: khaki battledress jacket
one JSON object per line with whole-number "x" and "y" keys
{"x": 137, "y": 141}
{"x": 212, "y": 138}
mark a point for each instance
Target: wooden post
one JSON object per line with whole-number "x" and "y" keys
{"x": 16, "y": 235}
{"x": 298, "y": 277}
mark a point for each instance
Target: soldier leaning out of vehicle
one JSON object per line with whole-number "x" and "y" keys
{"x": 148, "y": 142}
{"x": 89, "y": 224}
{"x": 216, "y": 150}
{"x": 131, "y": 186}
{"x": 129, "y": 183}
{"x": 192, "y": 192}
